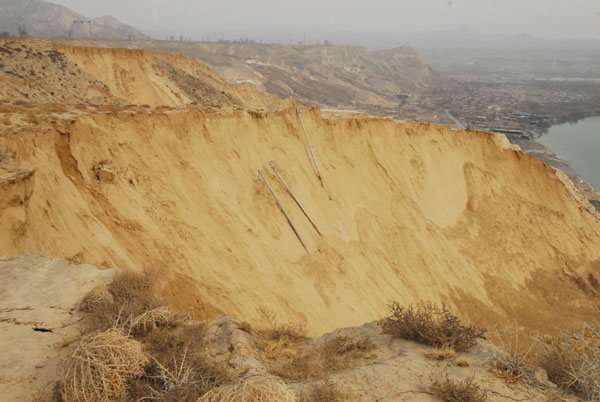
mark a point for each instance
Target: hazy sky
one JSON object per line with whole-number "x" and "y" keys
{"x": 544, "y": 18}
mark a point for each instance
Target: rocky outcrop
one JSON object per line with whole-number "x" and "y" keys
{"x": 38, "y": 319}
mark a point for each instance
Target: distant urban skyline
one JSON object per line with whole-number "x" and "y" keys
{"x": 542, "y": 18}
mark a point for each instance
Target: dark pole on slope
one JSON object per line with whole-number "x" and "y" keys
{"x": 289, "y": 190}
{"x": 282, "y": 210}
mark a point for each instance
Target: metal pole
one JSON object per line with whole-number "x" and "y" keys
{"x": 282, "y": 210}
{"x": 289, "y": 190}
{"x": 311, "y": 149}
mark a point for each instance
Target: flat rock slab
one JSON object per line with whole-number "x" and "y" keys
{"x": 38, "y": 317}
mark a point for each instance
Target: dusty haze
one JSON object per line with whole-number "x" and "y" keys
{"x": 198, "y": 19}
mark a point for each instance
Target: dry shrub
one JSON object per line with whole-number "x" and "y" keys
{"x": 573, "y": 362}
{"x": 96, "y": 298}
{"x": 129, "y": 295}
{"x": 310, "y": 361}
{"x": 278, "y": 339}
{"x": 341, "y": 349}
{"x": 431, "y": 325}
{"x": 281, "y": 344}
{"x": 182, "y": 380}
{"x": 512, "y": 362}
{"x": 292, "y": 355}
{"x": 174, "y": 365}
{"x": 158, "y": 317}
{"x": 179, "y": 369}
{"x": 256, "y": 388}
{"x": 101, "y": 366}
{"x": 325, "y": 391}
{"x": 458, "y": 391}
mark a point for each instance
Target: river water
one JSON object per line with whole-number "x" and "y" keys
{"x": 579, "y": 144}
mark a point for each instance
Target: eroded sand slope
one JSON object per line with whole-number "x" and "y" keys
{"x": 409, "y": 212}
{"x": 34, "y": 71}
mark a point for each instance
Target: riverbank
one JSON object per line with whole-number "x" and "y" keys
{"x": 534, "y": 147}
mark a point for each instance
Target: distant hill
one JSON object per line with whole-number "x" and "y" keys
{"x": 348, "y": 77}
{"x": 40, "y": 18}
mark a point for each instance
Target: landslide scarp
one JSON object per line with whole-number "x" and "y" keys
{"x": 408, "y": 212}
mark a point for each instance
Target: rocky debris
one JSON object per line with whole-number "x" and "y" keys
{"x": 38, "y": 318}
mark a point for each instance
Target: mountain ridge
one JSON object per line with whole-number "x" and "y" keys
{"x": 45, "y": 19}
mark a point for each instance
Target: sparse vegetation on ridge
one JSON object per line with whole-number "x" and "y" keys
{"x": 458, "y": 391}
{"x": 431, "y": 325}
{"x": 291, "y": 355}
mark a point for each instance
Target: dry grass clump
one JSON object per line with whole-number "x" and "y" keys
{"x": 311, "y": 361}
{"x": 129, "y": 295}
{"x": 158, "y": 317}
{"x": 96, "y": 298}
{"x": 138, "y": 350}
{"x": 325, "y": 391}
{"x": 101, "y": 366}
{"x": 573, "y": 362}
{"x": 291, "y": 355}
{"x": 278, "y": 339}
{"x": 430, "y": 325}
{"x": 340, "y": 350}
{"x": 513, "y": 362}
{"x": 256, "y": 388}
{"x": 179, "y": 369}
{"x": 458, "y": 391}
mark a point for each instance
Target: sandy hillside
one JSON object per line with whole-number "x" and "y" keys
{"x": 42, "y": 72}
{"x": 394, "y": 82}
{"x": 409, "y": 212}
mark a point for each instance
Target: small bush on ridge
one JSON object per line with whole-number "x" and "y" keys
{"x": 430, "y": 325}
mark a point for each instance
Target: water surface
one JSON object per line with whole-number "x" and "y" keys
{"x": 578, "y": 143}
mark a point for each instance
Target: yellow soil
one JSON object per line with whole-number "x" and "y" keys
{"x": 35, "y": 71}
{"x": 409, "y": 212}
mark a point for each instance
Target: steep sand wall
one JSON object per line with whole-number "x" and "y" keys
{"x": 409, "y": 212}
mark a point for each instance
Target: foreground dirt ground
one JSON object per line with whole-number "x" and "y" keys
{"x": 38, "y": 319}
{"x": 45, "y": 294}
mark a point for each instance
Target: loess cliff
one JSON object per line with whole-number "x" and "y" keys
{"x": 408, "y": 212}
